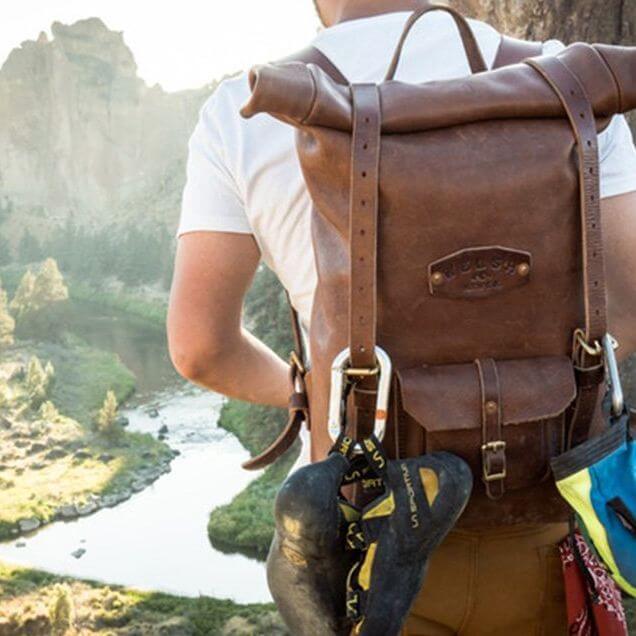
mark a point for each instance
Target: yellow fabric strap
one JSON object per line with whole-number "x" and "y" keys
{"x": 576, "y": 490}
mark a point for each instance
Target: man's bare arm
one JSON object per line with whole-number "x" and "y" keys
{"x": 213, "y": 271}
{"x": 619, "y": 240}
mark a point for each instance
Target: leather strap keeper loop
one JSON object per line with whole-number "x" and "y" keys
{"x": 493, "y": 448}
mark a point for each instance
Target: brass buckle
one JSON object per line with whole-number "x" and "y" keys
{"x": 579, "y": 339}
{"x": 493, "y": 447}
{"x": 295, "y": 361}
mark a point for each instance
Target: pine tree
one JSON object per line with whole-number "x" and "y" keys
{"x": 38, "y": 380}
{"x": 7, "y": 323}
{"x": 49, "y": 286}
{"x": 106, "y": 420}
{"x": 6, "y": 253}
{"x": 62, "y": 611}
{"x": 29, "y": 248}
{"x": 23, "y": 298}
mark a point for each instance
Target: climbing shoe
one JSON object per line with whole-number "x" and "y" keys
{"x": 396, "y": 533}
{"x": 308, "y": 560}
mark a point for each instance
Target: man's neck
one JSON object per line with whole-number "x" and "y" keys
{"x": 354, "y": 9}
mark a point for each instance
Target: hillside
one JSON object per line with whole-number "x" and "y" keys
{"x": 85, "y": 142}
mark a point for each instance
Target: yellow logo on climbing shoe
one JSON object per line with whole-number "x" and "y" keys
{"x": 410, "y": 491}
{"x": 375, "y": 453}
{"x": 345, "y": 445}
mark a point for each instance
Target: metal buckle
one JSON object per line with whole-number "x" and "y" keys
{"x": 493, "y": 447}
{"x": 295, "y": 361}
{"x": 616, "y": 388}
{"x": 340, "y": 370}
{"x": 592, "y": 350}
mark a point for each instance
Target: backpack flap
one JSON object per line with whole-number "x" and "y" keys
{"x": 505, "y": 418}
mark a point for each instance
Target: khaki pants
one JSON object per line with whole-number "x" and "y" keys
{"x": 502, "y": 582}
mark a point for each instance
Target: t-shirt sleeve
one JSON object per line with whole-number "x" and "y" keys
{"x": 618, "y": 159}
{"x": 211, "y": 199}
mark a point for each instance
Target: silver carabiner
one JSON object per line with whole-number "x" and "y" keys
{"x": 341, "y": 368}
{"x": 616, "y": 388}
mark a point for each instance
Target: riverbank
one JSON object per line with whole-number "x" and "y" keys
{"x": 246, "y": 524}
{"x": 28, "y": 596}
{"x": 55, "y": 465}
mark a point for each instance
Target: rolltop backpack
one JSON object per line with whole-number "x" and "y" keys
{"x": 461, "y": 301}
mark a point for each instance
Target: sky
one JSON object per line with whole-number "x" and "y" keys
{"x": 178, "y": 44}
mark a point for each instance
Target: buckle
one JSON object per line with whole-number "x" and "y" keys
{"x": 295, "y": 361}
{"x": 497, "y": 446}
{"x": 580, "y": 341}
{"x": 341, "y": 372}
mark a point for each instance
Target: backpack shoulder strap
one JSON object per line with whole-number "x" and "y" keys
{"x": 312, "y": 55}
{"x": 514, "y": 51}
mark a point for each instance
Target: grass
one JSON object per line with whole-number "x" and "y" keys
{"x": 246, "y": 524}
{"x": 83, "y": 375}
{"x": 34, "y": 485}
{"x": 27, "y": 595}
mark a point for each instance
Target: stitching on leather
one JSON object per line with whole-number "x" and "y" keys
{"x": 619, "y": 90}
{"x": 314, "y": 97}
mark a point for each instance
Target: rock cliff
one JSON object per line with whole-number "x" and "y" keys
{"x": 82, "y": 137}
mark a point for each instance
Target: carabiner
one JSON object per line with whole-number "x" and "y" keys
{"x": 616, "y": 388}
{"x": 339, "y": 370}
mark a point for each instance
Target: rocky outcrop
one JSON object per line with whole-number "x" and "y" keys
{"x": 83, "y": 137}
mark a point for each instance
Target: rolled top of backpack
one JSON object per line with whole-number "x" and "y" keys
{"x": 304, "y": 95}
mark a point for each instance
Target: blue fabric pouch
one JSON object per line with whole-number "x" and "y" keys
{"x": 598, "y": 479}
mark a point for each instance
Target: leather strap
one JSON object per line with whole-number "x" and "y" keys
{"x": 579, "y": 111}
{"x": 493, "y": 449}
{"x": 473, "y": 52}
{"x": 298, "y": 413}
{"x": 363, "y": 221}
{"x": 312, "y": 55}
{"x": 513, "y": 51}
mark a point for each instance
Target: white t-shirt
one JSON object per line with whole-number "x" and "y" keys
{"x": 244, "y": 176}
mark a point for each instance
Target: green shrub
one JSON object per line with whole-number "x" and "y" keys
{"x": 62, "y": 610}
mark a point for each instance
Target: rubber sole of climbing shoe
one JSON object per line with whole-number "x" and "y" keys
{"x": 308, "y": 564}
{"x": 423, "y": 500}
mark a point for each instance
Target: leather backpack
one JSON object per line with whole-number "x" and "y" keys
{"x": 456, "y": 226}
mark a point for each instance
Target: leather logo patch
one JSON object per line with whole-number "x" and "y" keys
{"x": 478, "y": 272}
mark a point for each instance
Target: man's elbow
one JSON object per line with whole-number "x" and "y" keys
{"x": 201, "y": 364}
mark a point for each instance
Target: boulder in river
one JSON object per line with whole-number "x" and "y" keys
{"x": 105, "y": 457}
{"x": 163, "y": 430}
{"x": 86, "y": 509}
{"x": 152, "y": 412}
{"x": 68, "y": 511}
{"x": 37, "y": 447}
{"x": 56, "y": 453}
{"x": 122, "y": 421}
{"x": 138, "y": 485}
{"x": 29, "y": 525}
{"x": 82, "y": 454}
{"x": 79, "y": 553}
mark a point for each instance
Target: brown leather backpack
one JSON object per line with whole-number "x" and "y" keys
{"x": 456, "y": 225}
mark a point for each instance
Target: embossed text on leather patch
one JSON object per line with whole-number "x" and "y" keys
{"x": 478, "y": 272}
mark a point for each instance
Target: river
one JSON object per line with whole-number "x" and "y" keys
{"x": 157, "y": 540}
